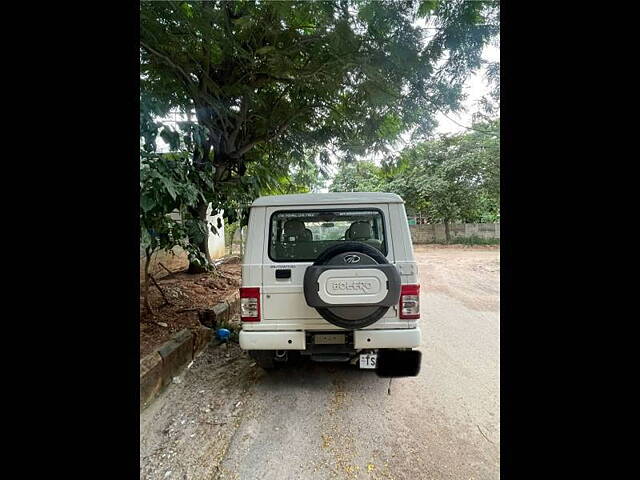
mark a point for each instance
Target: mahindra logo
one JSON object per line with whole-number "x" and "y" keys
{"x": 351, "y": 259}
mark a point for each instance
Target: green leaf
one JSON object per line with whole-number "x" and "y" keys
{"x": 147, "y": 203}
{"x": 242, "y": 21}
{"x": 265, "y": 50}
{"x": 426, "y": 7}
{"x": 216, "y": 54}
{"x": 169, "y": 186}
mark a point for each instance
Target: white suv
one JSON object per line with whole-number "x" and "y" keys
{"x": 331, "y": 276}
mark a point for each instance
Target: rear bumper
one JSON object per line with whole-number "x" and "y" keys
{"x": 396, "y": 338}
{"x": 272, "y": 340}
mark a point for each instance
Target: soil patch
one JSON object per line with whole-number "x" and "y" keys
{"x": 187, "y": 293}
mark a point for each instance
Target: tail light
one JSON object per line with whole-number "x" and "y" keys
{"x": 410, "y": 301}
{"x": 250, "y": 304}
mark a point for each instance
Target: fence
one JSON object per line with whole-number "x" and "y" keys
{"x": 434, "y": 233}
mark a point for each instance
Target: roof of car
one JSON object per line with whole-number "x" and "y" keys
{"x": 333, "y": 198}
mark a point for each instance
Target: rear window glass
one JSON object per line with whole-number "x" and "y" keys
{"x": 304, "y": 234}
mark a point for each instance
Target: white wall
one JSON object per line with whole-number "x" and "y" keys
{"x": 216, "y": 240}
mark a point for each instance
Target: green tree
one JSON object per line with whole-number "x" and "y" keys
{"x": 268, "y": 84}
{"x": 454, "y": 178}
{"x": 359, "y": 176}
{"x": 165, "y": 187}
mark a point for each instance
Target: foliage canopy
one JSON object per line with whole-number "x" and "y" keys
{"x": 267, "y": 89}
{"x": 452, "y": 178}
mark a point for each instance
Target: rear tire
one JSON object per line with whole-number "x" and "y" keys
{"x": 264, "y": 358}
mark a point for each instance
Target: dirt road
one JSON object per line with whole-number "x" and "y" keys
{"x": 227, "y": 419}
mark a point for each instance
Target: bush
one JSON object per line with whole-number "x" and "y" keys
{"x": 475, "y": 240}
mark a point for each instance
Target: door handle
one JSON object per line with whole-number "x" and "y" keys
{"x": 283, "y": 273}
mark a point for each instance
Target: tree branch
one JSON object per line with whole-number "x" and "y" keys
{"x": 167, "y": 60}
{"x": 264, "y": 138}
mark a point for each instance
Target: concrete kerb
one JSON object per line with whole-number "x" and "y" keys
{"x": 176, "y": 353}
{"x": 151, "y": 382}
{"x": 158, "y": 368}
{"x": 221, "y": 313}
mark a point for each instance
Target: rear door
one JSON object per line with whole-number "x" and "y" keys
{"x": 283, "y": 302}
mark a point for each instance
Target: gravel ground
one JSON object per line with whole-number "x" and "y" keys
{"x": 227, "y": 419}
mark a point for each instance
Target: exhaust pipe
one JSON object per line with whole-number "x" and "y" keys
{"x": 281, "y": 355}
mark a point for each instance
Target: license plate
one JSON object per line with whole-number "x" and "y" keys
{"x": 329, "y": 339}
{"x": 368, "y": 360}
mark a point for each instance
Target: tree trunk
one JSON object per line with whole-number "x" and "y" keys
{"x": 145, "y": 294}
{"x": 200, "y": 212}
{"x": 447, "y": 234}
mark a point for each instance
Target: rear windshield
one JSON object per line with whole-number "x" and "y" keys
{"x": 304, "y": 234}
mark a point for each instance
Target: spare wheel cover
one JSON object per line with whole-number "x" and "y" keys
{"x": 378, "y": 274}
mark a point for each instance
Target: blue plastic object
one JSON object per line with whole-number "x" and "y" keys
{"x": 223, "y": 334}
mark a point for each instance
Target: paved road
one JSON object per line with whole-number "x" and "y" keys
{"x": 319, "y": 421}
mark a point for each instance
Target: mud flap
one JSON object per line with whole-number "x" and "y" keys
{"x": 398, "y": 363}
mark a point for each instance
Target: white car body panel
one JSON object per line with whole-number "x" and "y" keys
{"x": 282, "y": 303}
